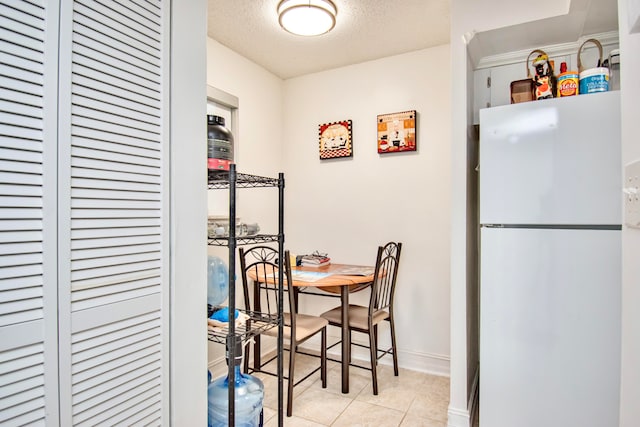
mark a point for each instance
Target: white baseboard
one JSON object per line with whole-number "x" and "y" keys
{"x": 429, "y": 363}
{"x": 459, "y": 417}
{"x": 217, "y": 367}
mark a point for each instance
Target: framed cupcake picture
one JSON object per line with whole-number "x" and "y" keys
{"x": 397, "y": 132}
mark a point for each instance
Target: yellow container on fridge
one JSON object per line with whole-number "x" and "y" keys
{"x": 568, "y": 82}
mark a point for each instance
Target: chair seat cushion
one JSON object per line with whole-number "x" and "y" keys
{"x": 358, "y": 316}
{"x": 306, "y": 326}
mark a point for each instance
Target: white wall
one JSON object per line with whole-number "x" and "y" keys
{"x": 258, "y": 148}
{"x": 347, "y": 207}
{"x": 630, "y": 95}
{"x": 259, "y": 142}
{"x": 401, "y": 197}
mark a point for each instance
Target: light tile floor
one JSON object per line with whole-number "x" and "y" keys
{"x": 410, "y": 399}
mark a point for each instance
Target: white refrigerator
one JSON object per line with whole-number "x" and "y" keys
{"x": 550, "y": 263}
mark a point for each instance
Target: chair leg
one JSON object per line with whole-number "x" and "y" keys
{"x": 323, "y": 357}
{"x": 257, "y": 353}
{"x": 374, "y": 362}
{"x": 375, "y": 344}
{"x": 350, "y": 342}
{"x": 290, "y": 381}
{"x": 393, "y": 345}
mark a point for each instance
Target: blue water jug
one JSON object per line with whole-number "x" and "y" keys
{"x": 249, "y": 395}
{"x": 217, "y": 281}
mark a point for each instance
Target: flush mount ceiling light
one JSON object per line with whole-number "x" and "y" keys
{"x": 307, "y": 17}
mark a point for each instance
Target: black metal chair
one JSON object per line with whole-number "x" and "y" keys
{"x": 262, "y": 262}
{"x": 366, "y": 319}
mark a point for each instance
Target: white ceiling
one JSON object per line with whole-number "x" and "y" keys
{"x": 372, "y": 29}
{"x": 365, "y": 30}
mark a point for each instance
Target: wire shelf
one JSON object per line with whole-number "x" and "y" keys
{"x": 220, "y": 179}
{"x": 256, "y": 324}
{"x": 246, "y": 240}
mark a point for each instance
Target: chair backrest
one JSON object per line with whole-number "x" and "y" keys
{"x": 384, "y": 281}
{"x": 259, "y": 266}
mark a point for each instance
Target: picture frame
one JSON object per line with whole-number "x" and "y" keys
{"x": 397, "y": 132}
{"x": 335, "y": 140}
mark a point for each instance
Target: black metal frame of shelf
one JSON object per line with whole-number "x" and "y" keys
{"x": 245, "y": 240}
{"x": 258, "y": 322}
{"x": 222, "y": 180}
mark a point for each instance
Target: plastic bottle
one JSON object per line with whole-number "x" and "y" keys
{"x": 249, "y": 395}
{"x": 568, "y": 81}
{"x": 217, "y": 281}
{"x": 219, "y": 144}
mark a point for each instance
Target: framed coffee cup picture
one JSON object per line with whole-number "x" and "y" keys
{"x": 397, "y": 132}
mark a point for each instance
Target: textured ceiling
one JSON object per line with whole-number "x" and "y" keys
{"x": 365, "y": 30}
{"x": 372, "y": 29}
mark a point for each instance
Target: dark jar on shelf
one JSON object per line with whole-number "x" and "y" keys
{"x": 219, "y": 144}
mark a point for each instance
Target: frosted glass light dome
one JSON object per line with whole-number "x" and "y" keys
{"x": 307, "y": 18}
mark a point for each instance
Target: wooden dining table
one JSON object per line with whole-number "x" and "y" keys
{"x": 340, "y": 279}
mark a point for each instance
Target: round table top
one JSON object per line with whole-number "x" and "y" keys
{"x": 335, "y": 281}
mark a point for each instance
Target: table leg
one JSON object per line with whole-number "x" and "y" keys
{"x": 346, "y": 344}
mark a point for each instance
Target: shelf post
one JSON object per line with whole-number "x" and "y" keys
{"x": 281, "y": 297}
{"x": 231, "y": 340}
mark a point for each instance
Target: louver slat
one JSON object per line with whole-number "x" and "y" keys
{"x": 117, "y": 243}
{"x": 29, "y": 73}
{"x": 34, "y": 8}
{"x": 109, "y": 252}
{"x": 86, "y": 297}
{"x": 87, "y": 136}
{"x": 114, "y": 157}
{"x": 11, "y": 97}
{"x": 113, "y": 289}
{"x": 112, "y": 232}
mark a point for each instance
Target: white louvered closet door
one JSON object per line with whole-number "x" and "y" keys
{"x": 84, "y": 291}
{"x": 28, "y": 236}
{"x": 113, "y": 246}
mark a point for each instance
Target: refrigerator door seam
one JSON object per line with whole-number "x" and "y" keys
{"x": 557, "y": 226}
